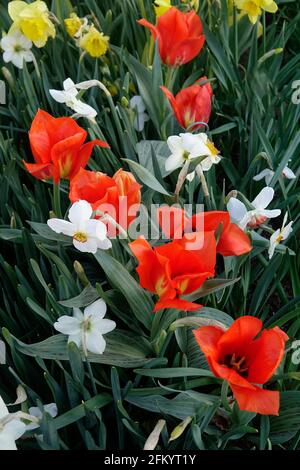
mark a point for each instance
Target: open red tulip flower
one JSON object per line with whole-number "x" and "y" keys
{"x": 246, "y": 357}
{"x": 176, "y": 269}
{"x": 231, "y": 240}
{"x": 58, "y": 147}
{"x": 119, "y": 196}
{"x": 192, "y": 104}
{"x": 180, "y": 36}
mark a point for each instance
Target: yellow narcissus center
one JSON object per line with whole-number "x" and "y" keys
{"x": 72, "y": 24}
{"x": 94, "y": 42}
{"x": 80, "y": 237}
{"x": 213, "y": 150}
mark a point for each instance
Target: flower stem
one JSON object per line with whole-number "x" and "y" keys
{"x": 201, "y": 176}
{"x": 56, "y": 200}
{"x": 181, "y": 177}
{"x": 91, "y": 375}
{"x": 107, "y": 218}
{"x": 224, "y": 393}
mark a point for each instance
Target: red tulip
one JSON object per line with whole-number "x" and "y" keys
{"x": 232, "y": 241}
{"x": 118, "y": 196}
{"x": 58, "y": 147}
{"x": 175, "y": 269}
{"x": 246, "y": 357}
{"x": 180, "y": 36}
{"x": 192, "y": 104}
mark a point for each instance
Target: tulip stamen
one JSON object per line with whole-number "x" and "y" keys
{"x": 237, "y": 363}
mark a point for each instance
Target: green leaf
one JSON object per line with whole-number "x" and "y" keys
{"x": 140, "y": 303}
{"x": 123, "y": 349}
{"x": 146, "y": 177}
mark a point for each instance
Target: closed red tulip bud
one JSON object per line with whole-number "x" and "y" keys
{"x": 180, "y": 36}
{"x": 58, "y": 147}
{"x": 192, "y": 104}
{"x": 245, "y": 356}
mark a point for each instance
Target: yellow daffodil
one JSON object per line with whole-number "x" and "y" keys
{"x": 161, "y": 7}
{"x": 254, "y": 8}
{"x": 239, "y": 16}
{"x": 94, "y": 42}
{"x": 73, "y": 24}
{"x": 32, "y": 19}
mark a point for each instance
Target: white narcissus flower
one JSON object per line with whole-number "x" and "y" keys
{"x": 88, "y": 234}
{"x": 280, "y": 235}
{"x": 17, "y": 49}
{"x": 69, "y": 96}
{"x": 187, "y": 147}
{"x": 51, "y": 409}
{"x": 268, "y": 175}
{"x": 137, "y": 104}
{"x": 11, "y": 428}
{"x": 256, "y": 216}
{"x": 87, "y": 329}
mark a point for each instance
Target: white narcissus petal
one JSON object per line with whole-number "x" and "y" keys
{"x": 271, "y": 214}
{"x": 95, "y": 343}
{"x": 96, "y": 228}
{"x": 189, "y": 142}
{"x": 206, "y": 164}
{"x": 137, "y": 103}
{"x": 236, "y": 209}
{"x": 15, "y": 428}
{"x": 90, "y": 246}
{"x": 173, "y": 162}
{"x": 17, "y": 60}
{"x": 98, "y": 307}
{"x": 68, "y": 85}
{"x": 7, "y": 56}
{"x": 104, "y": 326}
{"x": 3, "y": 409}
{"x": 139, "y": 121}
{"x": 190, "y": 177}
{"x": 59, "y": 96}
{"x": 273, "y": 243}
{"x": 104, "y": 244}
{"x": 80, "y": 211}
{"x": 264, "y": 198}
{"x": 84, "y": 110}
{"x": 77, "y": 313}
{"x": 174, "y": 143}
{"x": 286, "y": 231}
{"x": 75, "y": 339}
{"x": 288, "y": 173}
{"x": 267, "y": 174}
{"x": 51, "y": 409}
{"x": 62, "y": 226}
{"x": 67, "y": 325}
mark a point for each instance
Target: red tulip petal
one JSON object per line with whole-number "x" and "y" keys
{"x": 207, "y": 338}
{"x": 39, "y": 138}
{"x": 172, "y": 221}
{"x": 188, "y": 283}
{"x": 41, "y": 171}
{"x": 267, "y": 354}
{"x": 153, "y": 29}
{"x": 178, "y": 304}
{"x": 65, "y": 156}
{"x": 194, "y": 24}
{"x": 230, "y": 375}
{"x": 239, "y": 337}
{"x": 234, "y": 242}
{"x": 260, "y": 401}
{"x": 85, "y": 153}
{"x": 152, "y": 272}
{"x": 176, "y": 109}
{"x": 186, "y": 50}
{"x": 60, "y": 129}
